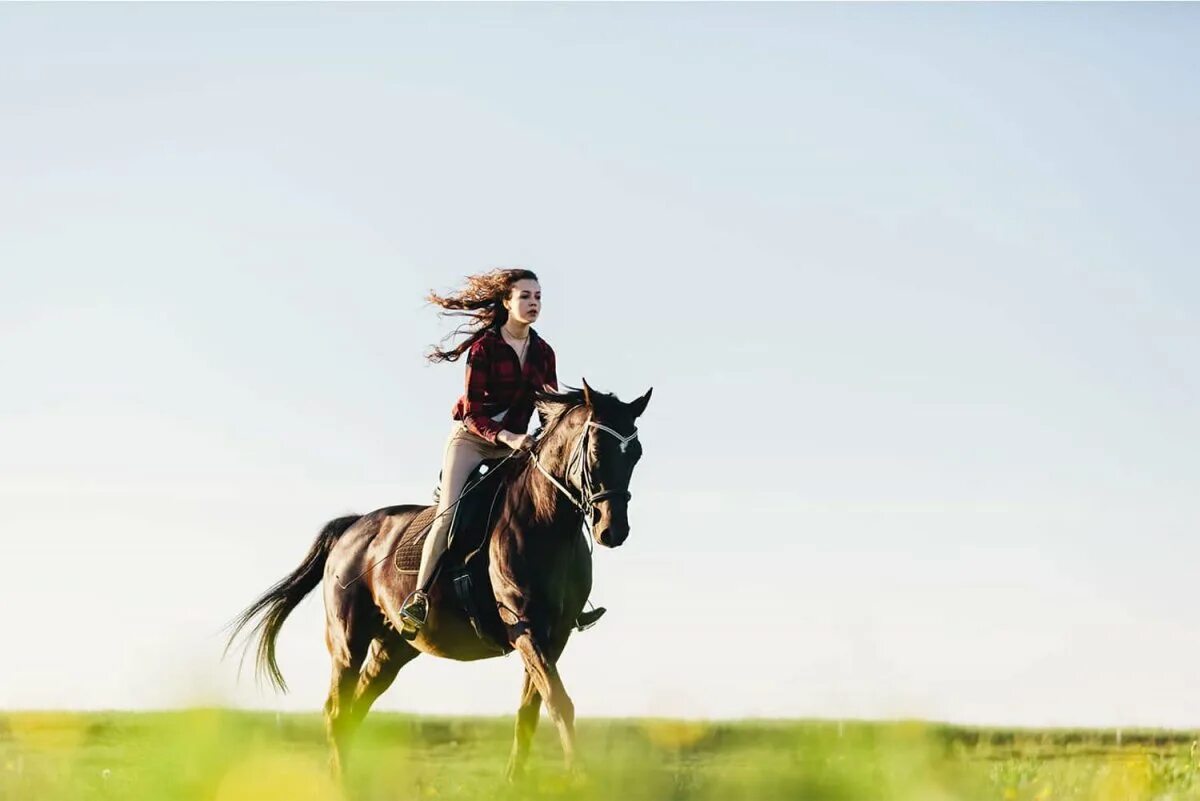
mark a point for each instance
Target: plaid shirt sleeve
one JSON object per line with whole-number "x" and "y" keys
{"x": 478, "y": 368}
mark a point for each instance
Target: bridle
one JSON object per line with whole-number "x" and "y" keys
{"x": 587, "y": 497}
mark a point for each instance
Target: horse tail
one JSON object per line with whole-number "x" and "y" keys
{"x": 278, "y": 602}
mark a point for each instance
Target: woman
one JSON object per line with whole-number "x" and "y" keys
{"x": 507, "y": 361}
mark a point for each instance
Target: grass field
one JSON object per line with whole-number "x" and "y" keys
{"x": 238, "y": 756}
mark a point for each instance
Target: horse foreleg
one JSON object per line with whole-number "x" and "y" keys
{"x": 527, "y": 721}
{"x": 543, "y": 673}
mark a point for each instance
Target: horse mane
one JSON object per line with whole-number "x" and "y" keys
{"x": 555, "y": 406}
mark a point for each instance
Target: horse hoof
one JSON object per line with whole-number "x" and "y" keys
{"x": 577, "y": 778}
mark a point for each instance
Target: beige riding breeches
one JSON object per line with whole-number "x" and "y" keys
{"x": 464, "y": 452}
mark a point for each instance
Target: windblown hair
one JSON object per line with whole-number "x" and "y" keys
{"x": 481, "y": 300}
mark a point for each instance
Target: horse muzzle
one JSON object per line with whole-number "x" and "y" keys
{"x": 610, "y": 523}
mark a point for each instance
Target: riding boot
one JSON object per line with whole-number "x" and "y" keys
{"x": 588, "y": 618}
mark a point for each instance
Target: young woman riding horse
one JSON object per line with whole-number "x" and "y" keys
{"x": 539, "y": 568}
{"x": 507, "y": 361}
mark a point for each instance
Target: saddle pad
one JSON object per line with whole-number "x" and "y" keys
{"x": 472, "y": 515}
{"x": 408, "y": 548}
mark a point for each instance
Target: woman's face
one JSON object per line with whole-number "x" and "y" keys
{"x": 524, "y": 301}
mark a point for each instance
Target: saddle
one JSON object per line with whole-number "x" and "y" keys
{"x": 465, "y": 562}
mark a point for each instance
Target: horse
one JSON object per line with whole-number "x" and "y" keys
{"x": 539, "y": 570}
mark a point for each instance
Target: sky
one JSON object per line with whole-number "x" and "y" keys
{"x": 911, "y": 284}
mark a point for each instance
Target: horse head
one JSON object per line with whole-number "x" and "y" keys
{"x": 600, "y": 447}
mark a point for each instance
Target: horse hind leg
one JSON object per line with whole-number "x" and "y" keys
{"x": 527, "y": 721}
{"x": 348, "y": 638}
{"x": 387, "y": 655}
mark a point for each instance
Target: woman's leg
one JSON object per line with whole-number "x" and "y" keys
{"x": 463, "y": 453}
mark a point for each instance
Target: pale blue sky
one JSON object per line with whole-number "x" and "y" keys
{"x": 915, "y": 286}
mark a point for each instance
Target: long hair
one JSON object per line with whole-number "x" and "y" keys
{"x": 481, "y": 300}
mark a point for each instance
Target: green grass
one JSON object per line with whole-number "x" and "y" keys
{"x": 225, "y": 755}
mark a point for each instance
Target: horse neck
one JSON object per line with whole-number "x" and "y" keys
{"x": 544, "y": 503}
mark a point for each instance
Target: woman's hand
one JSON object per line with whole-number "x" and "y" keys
{"x": 518, "y": 442}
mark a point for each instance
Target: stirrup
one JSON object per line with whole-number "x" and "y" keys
{"x": 414, "y": 612}
{"x": 589, "y": 618}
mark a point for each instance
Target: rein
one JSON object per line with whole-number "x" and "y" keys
{"x": 585, "y": 505}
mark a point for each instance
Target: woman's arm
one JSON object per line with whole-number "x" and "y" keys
{"x": 476, "y": 420}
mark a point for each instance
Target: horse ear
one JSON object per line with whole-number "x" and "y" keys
{"x": 638, "y": 406}
{"x": 587, "y": 393}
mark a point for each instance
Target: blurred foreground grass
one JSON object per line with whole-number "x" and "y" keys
{"x": 228, "y": 755}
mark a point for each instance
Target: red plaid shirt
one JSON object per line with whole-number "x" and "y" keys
{"x": 496, "y": 381}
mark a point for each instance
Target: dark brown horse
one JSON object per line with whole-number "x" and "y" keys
{"x": 540, "y": 572}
